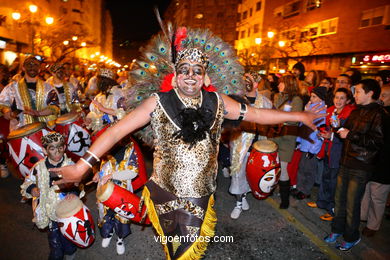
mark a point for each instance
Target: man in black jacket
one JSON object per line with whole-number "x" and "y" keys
{"x": 363, "y": 138}
{"x": 377, "y": 189}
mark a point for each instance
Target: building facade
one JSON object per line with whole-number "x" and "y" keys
{"x": 57, "y": 27}
{"x": 326, "y": 35}
{"x": 219, "y": 16}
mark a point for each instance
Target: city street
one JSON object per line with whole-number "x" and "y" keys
{"x": 263, "y": 232}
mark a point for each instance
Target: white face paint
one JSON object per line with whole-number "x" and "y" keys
{"x": 267, "y": 181}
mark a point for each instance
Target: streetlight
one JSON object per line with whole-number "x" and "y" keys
{"x": 49, "y": 20}
{"x": 258, "y": 41}
{"x": 270, "y": 34}
{"x": 33, "y": 8}
{"x": 16, "y": 16}
{"x": 282, "y": 43}
{"x": 65, "y": 42}
{"x": 83, "y": 44}
{"x": 74, "y": 38}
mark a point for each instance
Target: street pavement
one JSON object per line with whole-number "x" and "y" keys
{"x": 263, "y": 232}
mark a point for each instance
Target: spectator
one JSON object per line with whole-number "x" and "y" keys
{"x": 378, "y": 188}
{"x": 383, "y": 77}
{"x": 363, "y": 138}
{"x": 331, "y": 151}
{"x": 298, "y": 70}
{"x": 309, "y": 147}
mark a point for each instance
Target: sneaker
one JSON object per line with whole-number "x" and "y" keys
{"x": 225, "y": 172}
{"x": 106, "y": 241}
{"x": 236, "y": 212}
{"x": 331, "y": 238}
{"x": 245, "y": 205}
{"x": 327, "y": 217}
{"x": 312, "y": 204}
{"x": 4, "y": 173}
{"x": 120, "y": 246}
{"x": 345, "y": 246}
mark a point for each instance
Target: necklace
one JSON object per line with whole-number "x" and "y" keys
{"x": 194, "y": 102}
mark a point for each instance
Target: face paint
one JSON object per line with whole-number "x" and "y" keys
{"x": 55, "y": 151}
{"x": 267, "y": 182}
{"x": 190, "y": 78}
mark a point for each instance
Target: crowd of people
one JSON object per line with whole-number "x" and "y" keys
{"x": 343, "y": 151}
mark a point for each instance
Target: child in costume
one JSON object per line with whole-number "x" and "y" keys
{"x": 38, "y": 185}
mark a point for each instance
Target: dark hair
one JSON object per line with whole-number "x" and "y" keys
{"x": 356, "y": 76}
{"x": 384, "y": 75}
{"x": 299, "y": 66}
{"x": 371, "y": 85}
{"x": 348, "y": 77}
{"x": 347, "y": 92}
{"x": 104, "y": 84}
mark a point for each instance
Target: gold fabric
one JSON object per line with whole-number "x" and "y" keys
{"x": 39, "y": 100}
{"x": 179, "y": 169}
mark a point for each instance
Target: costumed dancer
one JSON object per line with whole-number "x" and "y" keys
{"x": 241, "y": 145}
{"x": 39, "y": 186}
{"x": 121, "y": 168}
{"x": 109, "y": 105}
{"x": 66, "y": 91}
{"x": 29, "y": 99}
{"x": 186, "y": 122}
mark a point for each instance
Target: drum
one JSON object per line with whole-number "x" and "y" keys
{"x": 25, "y": 147}
{"x": 98, "y": 133}
{"x": 75, "y": 221}
{"x": 77, "y": 138}
{"x": 122, "y": 202}
{"x": 263, "y": 168}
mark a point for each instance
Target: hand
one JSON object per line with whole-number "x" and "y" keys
{"x": 8, "y": 114}
{"x": 71, "y": 173}
{"x": 343, "y": 132}
{"x": 98, "y": 105}
{"x": 35, "y": 192}
{"x": 31, "y": 112}
{"x": 105, "y": 179}
{"x": 325, "y": 134}
{"x": 312, "y": 114}
{"x": 96, "y": 177}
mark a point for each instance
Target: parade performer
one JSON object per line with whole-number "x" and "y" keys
{"x": 186, "y": 117}
{"x": 39, "y": 186}
{"x": 66, "y": 91}
{"x": 240, "y": 146}
{"x": 109, "y": 105}
{"x": 30, "y": 99}
{"x": 125, "y": 159}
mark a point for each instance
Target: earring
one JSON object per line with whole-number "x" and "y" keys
{"x": 207, "y": 81}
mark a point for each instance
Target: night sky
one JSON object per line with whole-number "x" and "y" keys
{"x": 134, "y": 22}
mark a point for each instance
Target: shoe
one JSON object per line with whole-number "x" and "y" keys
{"x": 294, "y": 192}
{"x": 236, "y": 212}
{"x": 120, "y": 246}
{"x": 345, "y": 246}
{"x": 301, "y": 196}
{"x": 245, "y": 205}
{"x": 4, "y": 173}
{"x": 368, "y": 232}
{"x": 106, "y": 241}
{"x": 225, "y": 172}
{"x": 312, "y": 204}
{"x": 331, "y": 238}
{"x": 327, "y": 217}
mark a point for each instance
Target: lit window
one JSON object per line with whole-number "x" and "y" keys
{"x": 313, "y": 4}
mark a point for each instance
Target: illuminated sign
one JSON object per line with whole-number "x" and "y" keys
{"x": 377, "y": 58}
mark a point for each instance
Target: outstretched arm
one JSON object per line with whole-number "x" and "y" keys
{"x": 270, "y": 116}
{"x": 134, "y": 120}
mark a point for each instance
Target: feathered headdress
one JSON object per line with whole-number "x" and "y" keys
{"x": 153, "y": 71}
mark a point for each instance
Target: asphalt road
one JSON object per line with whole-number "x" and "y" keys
{"x": 263, "y": 232}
